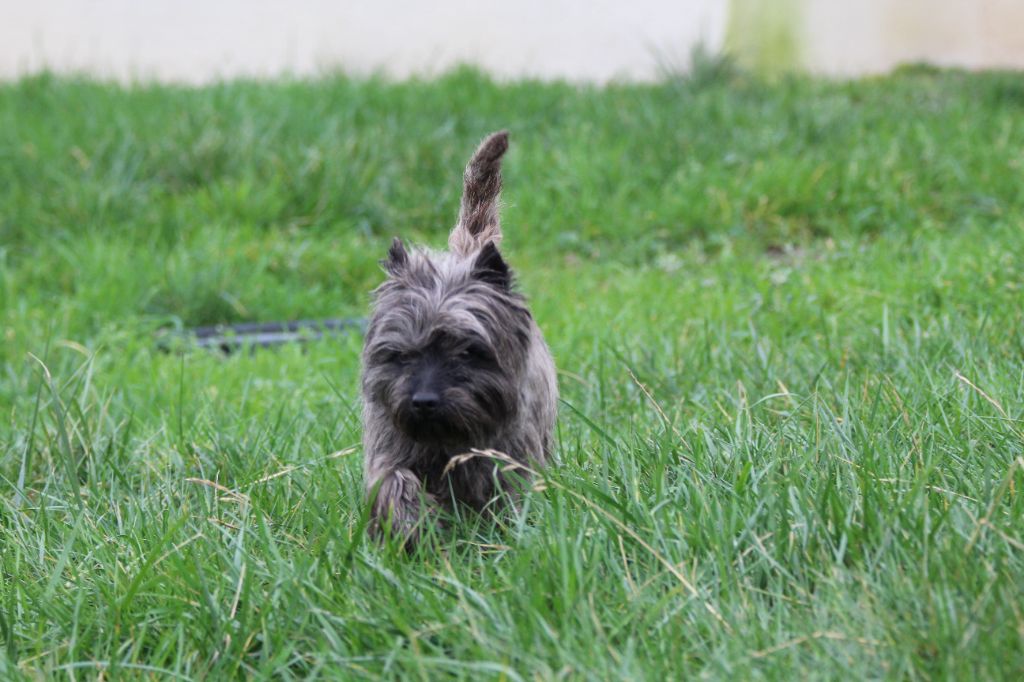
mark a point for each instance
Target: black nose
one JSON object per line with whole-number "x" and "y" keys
{"x": 425, "y": 401}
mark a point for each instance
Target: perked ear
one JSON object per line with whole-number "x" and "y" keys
{"x": 490, "y": 267}
{"x": 397, "y": 259}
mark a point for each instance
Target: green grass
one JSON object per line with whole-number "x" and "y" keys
{"x": 788, "y": 321}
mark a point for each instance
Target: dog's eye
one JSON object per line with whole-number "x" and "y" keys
{"x": 476, "y": 353}
{"x": 389, "y": 357}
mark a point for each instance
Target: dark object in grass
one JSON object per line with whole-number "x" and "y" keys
{"x": 230, "y": 337}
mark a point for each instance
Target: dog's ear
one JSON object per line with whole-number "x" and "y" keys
{"x": 490, "y": 267}
{"x": 397, "y": 259}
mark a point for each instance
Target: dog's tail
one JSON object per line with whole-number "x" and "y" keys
{"x": 479, "y": 222}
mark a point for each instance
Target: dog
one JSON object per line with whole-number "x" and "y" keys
{"x": 453, "y": 362}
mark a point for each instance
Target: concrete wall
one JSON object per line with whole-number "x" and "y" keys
{"x": 874, "y": 35}
{"x": 596, "y": 40}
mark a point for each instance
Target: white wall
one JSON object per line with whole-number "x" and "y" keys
{"x": 199, "y": 40}
{"x": 867, "y": 36}
{"x": 202, "y": 40}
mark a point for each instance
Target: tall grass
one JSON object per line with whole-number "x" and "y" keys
{"x": 787, "y": 319}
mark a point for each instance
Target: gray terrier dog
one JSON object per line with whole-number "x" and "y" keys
{"x": 453, "y": 362}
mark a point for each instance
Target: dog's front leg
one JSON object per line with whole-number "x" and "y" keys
{"x": 397, "y": 505}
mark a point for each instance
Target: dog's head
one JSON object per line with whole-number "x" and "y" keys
{"x": 446, "y": 344}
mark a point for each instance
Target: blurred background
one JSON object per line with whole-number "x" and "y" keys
{"x": 198, "y": 41}
{"x": 786, "y": 311}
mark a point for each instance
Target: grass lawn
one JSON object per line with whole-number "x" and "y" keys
{"x": 787, "y": 316}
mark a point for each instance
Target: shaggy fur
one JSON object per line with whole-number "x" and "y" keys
{"x": 453, "y": 361}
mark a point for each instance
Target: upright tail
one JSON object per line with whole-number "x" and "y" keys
{"x": 479, "y": 222}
